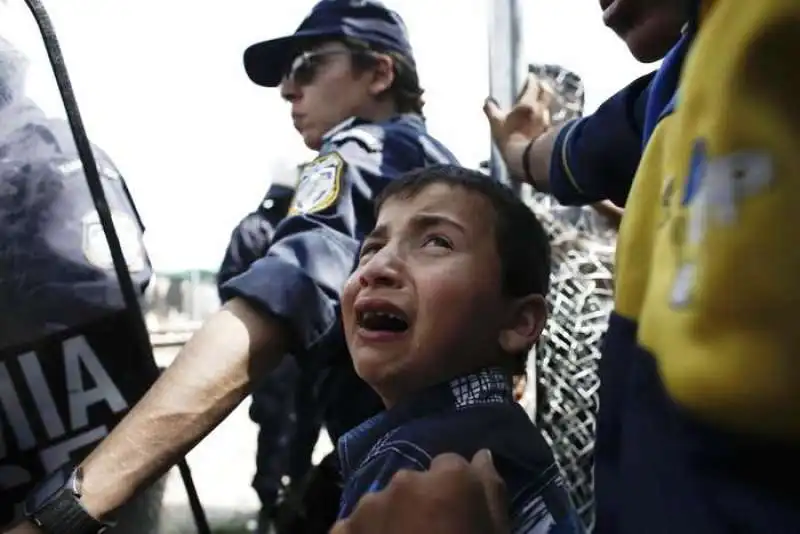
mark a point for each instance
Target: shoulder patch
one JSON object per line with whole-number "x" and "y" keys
{"x": 319, "y": 185}
{"x": 96, "y": 249}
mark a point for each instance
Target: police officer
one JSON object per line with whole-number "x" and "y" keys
{"x": 284, "y": 403}
{"x": 68, "y": 368}
{"x": 349, "y": 74}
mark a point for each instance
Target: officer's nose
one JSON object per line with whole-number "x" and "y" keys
{"x": 290, "y": 91}
{"x": 384, "y": 269}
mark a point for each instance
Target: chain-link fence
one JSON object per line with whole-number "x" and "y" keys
{"x": 565, "y": 367}
{"x": 564, "y": 392}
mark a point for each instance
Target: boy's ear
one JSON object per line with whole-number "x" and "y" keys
{"x": 524, "y": 324}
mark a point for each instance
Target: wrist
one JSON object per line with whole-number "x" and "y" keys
{"x": 54, "y": 506}
{"x": 517, "y": 151}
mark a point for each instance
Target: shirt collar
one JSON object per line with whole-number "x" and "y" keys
{"x": 411, "y": 119}
{"x": 488, "y": 386}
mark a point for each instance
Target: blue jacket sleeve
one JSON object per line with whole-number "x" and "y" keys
{"x": 595, "y": 158}
{"x": 302, "y": 274}
{"x": 251, "y": 238}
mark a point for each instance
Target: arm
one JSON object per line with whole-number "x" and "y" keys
{"x": 582, "y": 161}
{"x": 252, "y": 237}
{"x": 285, "y": 301}
{"x": 539, "y": 159}
{"x": 208, "y": 379}
{"x": 595, "y": 158}
{"x": 721, "y": 316}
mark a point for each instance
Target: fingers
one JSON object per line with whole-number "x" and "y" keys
{"x": 536, "y": 91}
{"x": 494, "y": 114}
{"x": 494, "y": 488}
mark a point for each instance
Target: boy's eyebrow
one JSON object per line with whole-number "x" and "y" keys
{"x": 418, "y": 222}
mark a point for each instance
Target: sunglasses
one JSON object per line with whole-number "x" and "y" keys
{"x": 306, "y": 66}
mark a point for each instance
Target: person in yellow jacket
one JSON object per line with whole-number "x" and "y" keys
{"x": 699, "y": 419}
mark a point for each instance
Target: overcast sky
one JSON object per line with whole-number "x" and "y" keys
{"x": 162, "y": 89}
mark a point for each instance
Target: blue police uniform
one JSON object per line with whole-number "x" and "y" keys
{"x": 66, "y": 339}
{"x": 313, "y": 249}
{"x": 463, "y": 416}
{"x": 252, "y": 236}
{"x": 312, "y": 252}
{"x": 697, "y": 423}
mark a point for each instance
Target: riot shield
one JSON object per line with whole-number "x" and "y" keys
{"x": 74, "y": 350}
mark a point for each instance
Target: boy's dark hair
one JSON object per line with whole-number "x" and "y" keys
{"x": 522, "y": 243}
{"x": 405, "y": 90}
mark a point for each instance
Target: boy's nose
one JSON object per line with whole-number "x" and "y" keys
{"x": 380, "y": 271}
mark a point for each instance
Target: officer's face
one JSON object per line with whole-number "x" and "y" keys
{"x": 648, "y": 27}
{"x": 425, "y": 304}
{"x": 324, "y": 90}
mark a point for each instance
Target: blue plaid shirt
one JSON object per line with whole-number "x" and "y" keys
{"x": 470, "y": 413}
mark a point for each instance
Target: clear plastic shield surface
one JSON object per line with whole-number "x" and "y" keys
{"x": 70, "y": 366}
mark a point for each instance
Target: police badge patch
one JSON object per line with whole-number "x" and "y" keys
{"x": 319, "y": 185}
{"x": 95, "y": 245}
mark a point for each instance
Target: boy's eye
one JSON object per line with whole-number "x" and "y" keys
{"x": 368, "y": 249}
{"x": 437, "y": 241}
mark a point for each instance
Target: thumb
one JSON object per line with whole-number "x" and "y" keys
{"x": 493, "y": 487}
{"x": 493, "y": 113}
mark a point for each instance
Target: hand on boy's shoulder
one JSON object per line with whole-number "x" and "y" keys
{"x": 452, "y": 497}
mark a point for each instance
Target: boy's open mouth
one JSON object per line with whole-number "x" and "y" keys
{"x": 382, "y": 321}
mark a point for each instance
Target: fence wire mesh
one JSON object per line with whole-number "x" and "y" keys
{"x": 565, "y": 366}
{"x": 564, "y": 393}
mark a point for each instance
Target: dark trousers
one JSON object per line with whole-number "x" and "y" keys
{"x": 287, "y": 410}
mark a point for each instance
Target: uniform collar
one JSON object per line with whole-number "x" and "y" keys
{"x": 488, "y": 386}
{"x": 408, "y": 118}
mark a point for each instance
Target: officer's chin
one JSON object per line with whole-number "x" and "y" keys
{"x": 311, "y": 138}
{"x": 651, "y": 39}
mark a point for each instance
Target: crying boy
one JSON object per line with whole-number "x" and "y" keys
{"x": 446, "y": 302}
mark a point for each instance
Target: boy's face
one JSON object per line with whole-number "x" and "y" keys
{"x": 425, "y": 303}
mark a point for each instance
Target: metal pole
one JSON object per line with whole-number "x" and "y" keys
{"x": 507, "y": 66}
{"x": 508, "y": 70}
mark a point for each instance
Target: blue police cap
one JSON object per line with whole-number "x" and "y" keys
{"x": 368, "y": 21}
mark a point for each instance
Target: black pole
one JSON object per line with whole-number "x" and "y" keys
{"x": 129, "y": 293}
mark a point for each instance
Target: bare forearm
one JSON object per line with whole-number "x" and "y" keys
{"x": 208, "y": 379}
{"x": 538, "y": 159}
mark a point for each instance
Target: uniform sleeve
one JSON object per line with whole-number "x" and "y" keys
{"x": 251, "y": 238}
{"x": 301, "y": 277}
{"x": 595, "y": 158}
{"x": 725, "y": 329}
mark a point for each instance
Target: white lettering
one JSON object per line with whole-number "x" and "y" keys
{"x": 78, "y": 354}
{"x": 42, "y": 395}
{"x": 14, "y": 414}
